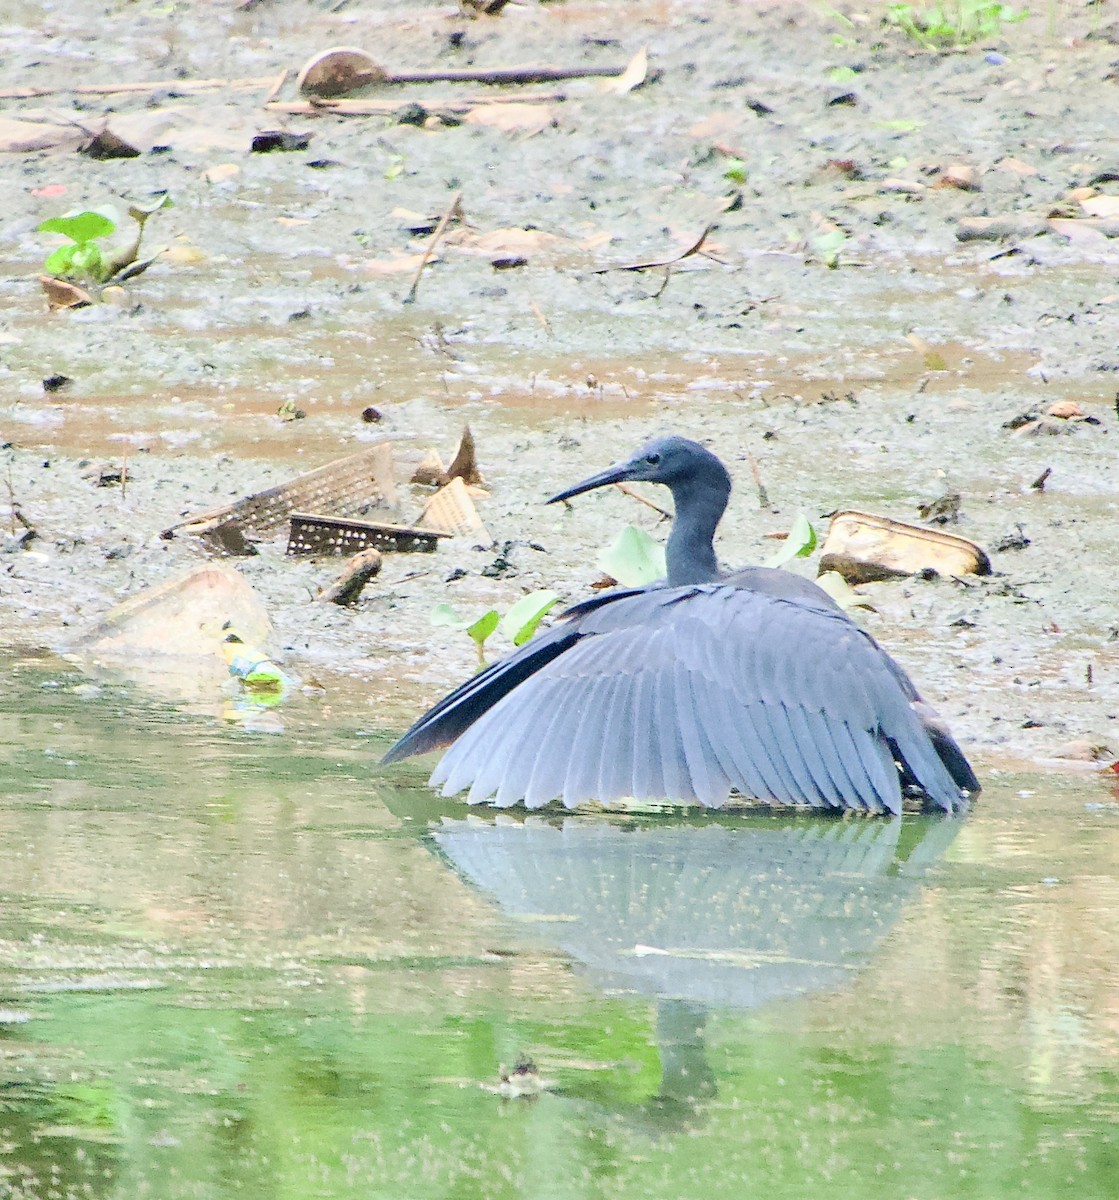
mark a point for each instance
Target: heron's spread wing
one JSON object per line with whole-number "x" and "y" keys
{"x": 685, "y": 694}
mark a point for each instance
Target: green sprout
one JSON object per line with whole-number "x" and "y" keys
{"x": 735, "y": 171}
{"x": 826, "y": 247}
{"x": 943, "y": 26}
{"x": 84, "y": 259}
{"x": 518, "y": 624}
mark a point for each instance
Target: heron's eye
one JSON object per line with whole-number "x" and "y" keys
{"x": 652, "y": 459}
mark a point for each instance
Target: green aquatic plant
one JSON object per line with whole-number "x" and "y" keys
{"x": 518, "y": 625}
{"x": 84, "y": 259}
{"x": 633, "y": 558}
{"x": 959, "y": 23}
{"x": 827, "y": 246}
{"x": 799, "y": 542}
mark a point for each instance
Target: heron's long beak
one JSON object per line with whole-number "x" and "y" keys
{"x": 618, "y": 473}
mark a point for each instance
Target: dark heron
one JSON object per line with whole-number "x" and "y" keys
{"x": 693, "y": 687}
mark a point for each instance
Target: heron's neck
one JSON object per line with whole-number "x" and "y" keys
{"x": 690, "y": 553}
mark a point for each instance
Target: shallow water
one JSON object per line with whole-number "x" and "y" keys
{"x": 236, "y": 963}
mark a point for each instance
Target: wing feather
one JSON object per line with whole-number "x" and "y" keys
{"x": 685, "y": 693}
{"x": 711, "y": 782}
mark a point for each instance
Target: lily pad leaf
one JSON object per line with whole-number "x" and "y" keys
{"x": 841, "y": 591}
{"x": 484, "y": 626}
{"x": 447, "y": 616}
{"x": 634, "y": 559}
{"x": 520, "y": 622}
{"x": 81, "y": 227}
{"x": 60, "y": 261}
{"x": 799, "y": 543}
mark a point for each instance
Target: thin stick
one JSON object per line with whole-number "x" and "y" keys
{"x": 763, "y": 495}
{"x": 440, "y": 229}
{"x": 625, "y": 487}
{"x": 687, "y": 252}
{"x": 377, "y": 108}
{"x": 540, "y": 316}
{"x": 124, "y": 474}
{"x": 108, "y": 89}
{"x": 501, "y": 75}
{"x": 274, "y": 91}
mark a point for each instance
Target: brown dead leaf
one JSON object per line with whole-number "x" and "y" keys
{"x": 632, "y": 77}
{"x": 220, "y": 172}
{"x": 399, "y": 264}
{"x": 25, "y": 137}
{"x": 464, "y": 465}
{"x": 505, "y": 242}
{"x": 207, "y": 129}
{"x": 959, "y": 175}
{"x": 105, "y": 144}
{"x": 1015, "y": 166}
{"x": 1079, "y": 233}
{"x": 528, "y": 119}
{"x": 904, "y": 187}
{"x": 430, "y": 469}
{"x": 1101, "y": 206}
{"x": 719, "y": 127}
{"x": 61, "y": 294}
{"x": 1064, "y": 409}
{"x": 1078, "y": 194}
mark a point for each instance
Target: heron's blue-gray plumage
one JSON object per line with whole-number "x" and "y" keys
{"x": 689, "y": 690}
{"x": 683, "y": 694}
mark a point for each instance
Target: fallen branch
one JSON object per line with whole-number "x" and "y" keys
{"x": 357, "y": 572}
{"x": 694, "y": 248}
{"x": 274, "y": 90}
{"x": 501, "y": 75}
{"x": 108, "y": 89}
{"x": 453, "y": 210}
{"x": 625, "y": 487}
{"x": 379, "y": 108}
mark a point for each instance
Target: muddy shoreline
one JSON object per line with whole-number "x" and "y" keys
{"x": 878, "y": 384}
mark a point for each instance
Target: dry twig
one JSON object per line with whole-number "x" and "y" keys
{"x": 453, "y": 210}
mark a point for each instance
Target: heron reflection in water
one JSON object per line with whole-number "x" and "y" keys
{"x": 701, "y": 917}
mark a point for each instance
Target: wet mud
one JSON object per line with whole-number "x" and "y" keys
{"x": 879, "y": 381}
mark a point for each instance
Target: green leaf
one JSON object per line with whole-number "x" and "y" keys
{"x": 141, "y": 212}
{"x": 520, "y": 622}
{"x": 447, "y": 615}
{"x": 826, "y": 246}
{"x": 61, "y": 261}
{"x": 395, "y": 168}
{"x": 842, "y": 74}
{"x": 634, "y": 559}
{"x": 841, "y": 591}
{"x": 86, "y": 259}
{"x": 800, "y": 543}
{"x": 81, "y": 227}
{"x": 736, "y": 170}
{"x": 484, "y": 626}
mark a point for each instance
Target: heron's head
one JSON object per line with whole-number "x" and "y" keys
{"x": 673, "y": 461}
